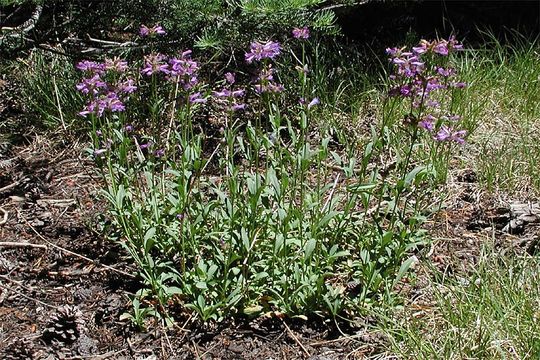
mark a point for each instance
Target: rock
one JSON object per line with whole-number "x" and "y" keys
{"x": 522, "y": 214}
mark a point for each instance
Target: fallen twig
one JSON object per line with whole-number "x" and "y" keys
{"x": 75, "y": 254}
{"x": 22, "y": 244}
{"x": 10, "y": 186}
{"x": 326, "y": 342}
{"x": 57, "y": 202}
{"x": 295, "y": 338}
{"x": 28, "y": 297}
{"x": 4, "y": 216}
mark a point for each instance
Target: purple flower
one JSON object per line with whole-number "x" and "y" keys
{"x": 419, "y": 50}
{"x": 159, "y": 30}
{"x": 268, "y": 88}
{"x": 184, "y": 70}
{"x": 128, "y": 128}
{"x": 149, "y": 31}
{"x": 447, "y": 134}
{"x": 446, "y": 72}
{"x": 196, "y": 98}
{"x": 145, "y": 145}
{"x": 428, "y": 122}
{"x": 116, "y": 64}
{"x": 300, "y": 33}
{"x": 236, "y": 107}
{"x": 443, "y": 134}
{"x": 260, "y": 51}
{"x": 405, "y": 90}
{"x": 154, "y": 64}
{"x": 434, "y": 84}
{"x": 127, "y": 86}
{"x": 222, "y": 94}
{"x": 92, "y": 85}
{"x": 230, "y": 78}
{"x": 266, "y": 82}
{"x": 183, "y": 67}
{"x": 458, "y": 136}
{"x": 159, "y": 153}
{"x": 96, "y": 107}
{"x": 99, "y": 152}
{"x": 432, "y": 103}
{"x": 113, "y": 103}
{"x": 90, "y": 66}
{"x": 313, "y": 102}
{"x": 393, "y": 51}
{"x": 104, "y": 102}
{"x": 408, "y": 65}
{"x": 441, "y": 48}
{"x": 238, "y": 93}
{"x": 454, "y": 44}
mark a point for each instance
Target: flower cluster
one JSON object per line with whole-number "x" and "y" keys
{"x": 259, "y": 51}
{"x": 155, "y": 64}
{"x": 300, "y": 33}
{"x": 422, "y": 75}
{"x": 228, "y": 98}
{"x": 181, "y": 69}
{"x": 145, "y": 31}
{"x": 266, "y": 82}
{"x": 105, "y": 96}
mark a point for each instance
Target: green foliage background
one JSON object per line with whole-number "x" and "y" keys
{"x": 207, "y": 24}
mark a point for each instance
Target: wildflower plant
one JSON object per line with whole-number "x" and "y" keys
{"x": 262, "y": 217}
{"x": 424, "y": 84}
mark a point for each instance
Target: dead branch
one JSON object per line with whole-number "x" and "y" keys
{"x": 22, "y": 244}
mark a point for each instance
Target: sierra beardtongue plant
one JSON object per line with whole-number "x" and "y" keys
{"x": 266, "y": 220}
{"x": 422, "y": 75}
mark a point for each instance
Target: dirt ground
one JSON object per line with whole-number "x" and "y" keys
{"x": 59, "y": 274}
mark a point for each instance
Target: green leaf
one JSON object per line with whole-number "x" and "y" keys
{"x": 201, "y": 285}
{"x": 173, "y": 290}
{"x": 404, "y": 268}
{"x": 310, "y": 246}
{"x": 272, "y": 177}
{"x": 148, "y": 240}
{"x": 415, "y": 175}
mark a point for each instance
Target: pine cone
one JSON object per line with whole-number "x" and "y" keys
{"x": 65, "y": 326}
{"x": 19, "y": 349}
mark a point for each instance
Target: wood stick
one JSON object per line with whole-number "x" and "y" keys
{"x": 295, "y": 338}
{"x": 22, "y": 244}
